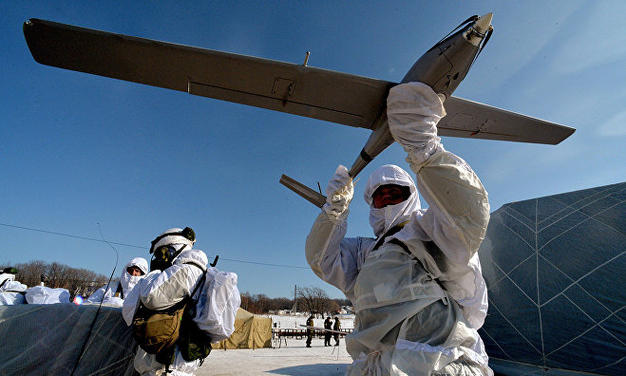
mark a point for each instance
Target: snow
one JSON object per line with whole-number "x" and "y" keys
{"x": 293, "y": 359}
{"x": 287, "y": 358}
{"x": 295, "y": 322}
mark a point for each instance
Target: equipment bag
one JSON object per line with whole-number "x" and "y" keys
{"x": 193, "y": 343}
{"x": 156, "y": 332}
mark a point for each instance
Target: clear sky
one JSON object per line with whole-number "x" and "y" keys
{"x": 77, "y": 150}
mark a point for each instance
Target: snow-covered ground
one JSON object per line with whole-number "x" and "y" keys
{"x": 290, "y": 358}
{"x": 295, "y": 322}
{"x": 293, "y": 359}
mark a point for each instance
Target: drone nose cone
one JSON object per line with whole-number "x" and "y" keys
{"x": 482, "y": 23}
{"x": 479, "y": 29}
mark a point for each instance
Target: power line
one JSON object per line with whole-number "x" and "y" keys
{"x": 138, "y": 246}
{"x": 266, "y": 264}
{"x": 69, "y": 235}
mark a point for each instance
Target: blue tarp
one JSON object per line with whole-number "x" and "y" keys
{"x": 556, "y": 272}
{"x": 47, "y": 340}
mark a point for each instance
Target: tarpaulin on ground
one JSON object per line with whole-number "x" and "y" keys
{"x": 47, "y": 339}
{"x": 251, "y": 332}
{"x": 554, "y": 268}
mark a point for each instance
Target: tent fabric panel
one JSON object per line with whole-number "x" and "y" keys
{"x": 514, "y": 222}
{"x": 525, "y": 278}
{"x": 261, "y": 332}
{"x": 509, "y": 239}
{"x": 576, "y": 260}
{"x": 587, "y": 303}
{"x": 561, "y": 228}
{"x": 560, "y": 312}
{"x": 586, "y": 196}
{"x": 553, "y": 281}
{"x": 49, "y": 338}
{"x": 520, "y": 312}
{"x": 512, "y": 368}
{"x": 610, "y": 274}
{"x": 239, "y": 338}
{"x": 251, "y": 331}
{"x": 525, "y": 211}
{"x": 593, "y": 345}
{"x": 613, "y": 216}
{"x": 583, "y": 247}
{"x": 616, "y": 329}
{"x": 600, "y": 205}
{"x": 550, "y": 210}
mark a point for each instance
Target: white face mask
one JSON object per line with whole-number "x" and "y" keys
{"x": 385, "y": 218}
{"x": 128, "y": 282}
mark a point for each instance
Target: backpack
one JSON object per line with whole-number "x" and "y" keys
{"x": 193, "y": 343}
{"x": 157, "y": 332}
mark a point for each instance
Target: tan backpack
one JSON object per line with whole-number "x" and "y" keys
{"x": 157, "y": 331}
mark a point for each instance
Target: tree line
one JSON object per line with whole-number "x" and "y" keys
{"x": 77, "y": 281}
{"x": 307, "y": 299}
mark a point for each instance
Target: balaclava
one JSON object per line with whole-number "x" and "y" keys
{"x": 128, "y": 281}
{"x": 385, "y": 218}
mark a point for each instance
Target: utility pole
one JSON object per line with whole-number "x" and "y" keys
{"x": 295, "y": 298}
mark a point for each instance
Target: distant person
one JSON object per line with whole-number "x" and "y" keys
{"x": 328, "y": 324}
{"x": 134, "y": 271}
{"x": 336, "y": 326}
{"x": 203, "y": 300}
{"x": 417, "y": 288}
{"x": 309, "y": 330}
{"x": 11, "y": 291}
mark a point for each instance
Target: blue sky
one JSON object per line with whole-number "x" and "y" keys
{"x": 77, "y": 150}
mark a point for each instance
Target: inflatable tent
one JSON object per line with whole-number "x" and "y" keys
{"x": 251, "y": 332}
{"x": 38, "y": 339}
{"x": 555, "y": 269}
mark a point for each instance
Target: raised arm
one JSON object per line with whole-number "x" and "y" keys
{"x": 458, "y": 212}
{"x": 332, "y": 257}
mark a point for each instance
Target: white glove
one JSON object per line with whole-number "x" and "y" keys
{"x": 339, "y": 193}
{"x": 413, "y": 110}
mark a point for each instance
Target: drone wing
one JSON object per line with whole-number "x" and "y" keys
{"x": 296, "y": 89}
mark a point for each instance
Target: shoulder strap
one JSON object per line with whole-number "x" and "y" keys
{"x": 381, "y": 239}
{"x": 180, "y": 304}
{"x": 119, "y": 290}
{"x": 430, "y": 245}
{"x": 200, "y": 282}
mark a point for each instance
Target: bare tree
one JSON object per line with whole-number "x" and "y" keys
{"x": 76, "y": 281}
{"x": 263, "y": 303}
{"x": 30, "y": 273}
{"x": 281, "y": 303}
{"x": 314, "y": 299}
{"x": 246, "y": 301}
{"x": 56, "y": 275}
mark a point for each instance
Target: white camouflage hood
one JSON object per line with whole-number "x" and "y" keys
{"x": 128, "y": 281}
{"x": 385, "y": 218}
